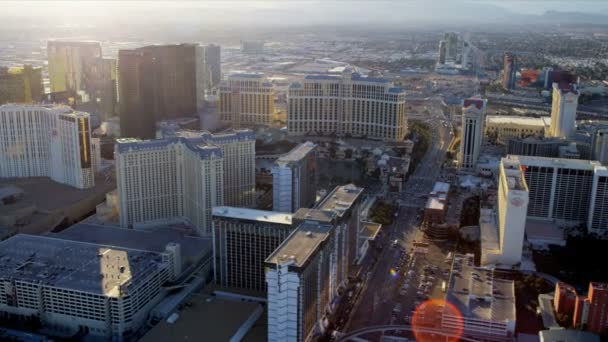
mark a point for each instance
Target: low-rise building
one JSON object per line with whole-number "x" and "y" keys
{"x": 504, "y": 127}
{"x": 486, "y": 305}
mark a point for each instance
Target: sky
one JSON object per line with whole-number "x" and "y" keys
{"x": 292, "y": 12}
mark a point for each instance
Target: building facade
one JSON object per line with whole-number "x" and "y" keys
{"x": 350, "y": 104}
{"x": 238, "y": 150}
{"x": 169, "y": 178}
{"x": 509, "y": 71}
{"x": 562, "y": 189}
{"x": 100, "y": 76}
{"x": 597, "y": 221}
{"x": 473, "y": 117}
{"x": 155, "y": 83}
{"x": 66, "y": 64}
{"x": 502, "y": 128}
{"x": 20, "y": 85}
{"x": 81, "y": 288}
{"x": 242, "y": 240}
{"x": 46, "y": 141}
{"x": 563, "y": 109}
{"x": 213, "y": 60}
{"x": 246, "y": 100}
{"x": 294, "y": 179}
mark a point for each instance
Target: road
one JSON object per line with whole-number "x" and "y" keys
{"x": 385, "y": 298}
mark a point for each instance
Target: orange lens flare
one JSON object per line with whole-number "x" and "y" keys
{"x": 429, "y": 315}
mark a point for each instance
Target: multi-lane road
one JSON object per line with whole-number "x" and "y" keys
{"x": 392, "y": 288}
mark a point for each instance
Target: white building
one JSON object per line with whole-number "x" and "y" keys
{"x": 512, "y": 209}
{"x": 81, "y": 287}
{"x": 600, "y": 145}
{"x": 597, "y": 221}
{"x": 47, "y": 141}
{"x": 485, "y": 305}
{"x": 563, "y": 110}
{"x": 349, "y": 104}
{"x": 563, "y": 190}
{"x": 473, "y": 117}
{"x": 168, "y": 178}
{"x": 246, "y": 100}
{"x": 299, "y": 277}
{"x": 505, "y": 127}
{"x": 294, "y": 179}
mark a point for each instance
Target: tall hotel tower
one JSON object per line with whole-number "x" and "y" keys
{"x": 473, "y": 117}
{"x": 168, "y": 178}
{"x": 246, "y": 100}
{"x": 563, "y": 109}
{"x": 47, "y": 141}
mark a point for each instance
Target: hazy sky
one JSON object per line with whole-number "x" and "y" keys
{"x": 290, "y": 12}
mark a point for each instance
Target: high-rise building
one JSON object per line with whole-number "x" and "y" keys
{"x": 451, "y": 41}
{"x": 46, "y": 141}
{"x": 565, "y": 298}
{"x": 473, "y": 118}
{"x": 591, "y": 312}
{"x": 242, "y": 240}
{"x": 509, "y": 71}
{"x": 563, "y": 189}
{"x": 238, "y": 150}
{"x": 563, "y": 110}
{"x": 252, "y": 46}
{"x": 214, "y": 65}
{"x": 155, "y": 83}
{"x": 20, "y": 85}
{"x": 294, "y": 179}
{"x": 66, "y": 64}
{"x": 442, "y": 51}
{"x": 168, "y": 178}
{"x": 203, "y": 78}
{"x": 246, "y": 100}
{"x": 299, "y": 279}
{"x": 512, "y": 209}
{"x": 350, "y": 104}
{"x": 100, "y": 84}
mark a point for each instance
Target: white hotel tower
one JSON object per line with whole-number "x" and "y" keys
{"x": 563, "y": 110}
{"x": 168, "y": 178}
{"x": 348, "y": 104}
{"x": 47, "y": 141}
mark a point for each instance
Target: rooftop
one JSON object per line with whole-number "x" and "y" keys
{"x": 80, "y": 266}
{"x": 553, "y": 162}
{"x": 434, "y": 203}
{"x": 441, "y": 187}
{"x": 514, "y": 175}
{"x": 477, "y": 102}
{"x": 325, "y": 216}
{"x": 477, "y": 294}
{"x": 193, "y": 248}
{"x": 198, "y": 320}
{"x": 300, "y": 245}
{"x": 297, "y": 153}
{"x": 369, "y": 230}
{"x": 252, "y": 215}
{"x": 197, "y": 145}
{"x": 544, "y": 121}
{"x": 567, "y": 335}
{"x": 340, "y": 199}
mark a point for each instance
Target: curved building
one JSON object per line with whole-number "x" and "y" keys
{"x": 349, "y": 104}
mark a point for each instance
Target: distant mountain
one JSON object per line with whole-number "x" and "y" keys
{"x": 574, "y": 18}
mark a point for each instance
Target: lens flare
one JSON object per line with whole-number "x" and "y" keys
{"x": 393, "y": 272}
{"x": 429, "y": 315}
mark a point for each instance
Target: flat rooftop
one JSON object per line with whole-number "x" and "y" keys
{"x": 434, "y": 203}
{"x": 300, "y": 245}
{"x": 79, "y": 266}
{"x": 578, "y": 164}
{"x": 297, "y": 153}
{"x": 477, "y": 294}
{"x": 193, "y": 248}
{"x": 441, "y": 187}
{"x": 514, "y": 176}
{"x": 369, "y": 230}
{"x": 340, "y": 199}
{"x": 198, "y": 320}
{"x": 325, "y": 216}
{"x": 544, "y": 121}
{"x": 542, "y": 230}
{"x": 252, "y": 215}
